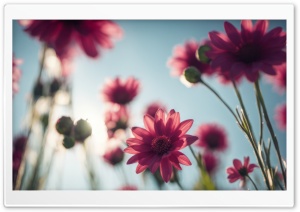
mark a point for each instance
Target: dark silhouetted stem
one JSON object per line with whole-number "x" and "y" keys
{"x": 252, "y": 182}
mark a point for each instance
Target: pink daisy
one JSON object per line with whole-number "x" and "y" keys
{"x": 280, "y": 116}
{"x": 185, "y": 56}
{"x": 121, "y": 92}
{"x": 16, "y": 74}
{"x": 249, "y": 51}
{"x": 153, "y": 107}
{"x": 240, "y": 171}
{"x": 210, "y": 162}
{"x": 212, "y": 137}
{"x": 88, "y": 34}
{"x": 158, "y": 145}
{"x": 116, "y": 118}
{"x": 279, "y": 80}
{"x": 114, "y": 155}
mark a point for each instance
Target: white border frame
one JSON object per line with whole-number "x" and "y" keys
{"x": 147, "y": 198}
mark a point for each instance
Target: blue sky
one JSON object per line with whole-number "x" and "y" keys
{"x": 143, "y": 53}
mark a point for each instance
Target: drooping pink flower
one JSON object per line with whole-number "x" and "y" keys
{"x": 16, "y": 74}
{"x": 249, "y": 51}
{"x": 280, "y": 116}
{"x": 116, "y": 118}
{"x": 212, "y": 137}
{"x": 279, "y": 80}
{"x": 210, "y": 162}
{"x": 121, "y": 92}
{"x": 129, "y": 188}
{"x": 114, "y": 155}
{"x": 185, "y": 56}
{"x": 240, "y": 171}
{"x": 88, "y": 34}
{"x": 152, "y": 108}
{"x": 158, "y": 145}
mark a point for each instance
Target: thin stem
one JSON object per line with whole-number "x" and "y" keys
{"x": 252, "y": 182}
{"x": 244, "y": 110}
{"x": 220, "y": 98}
{"x": 89, "y": 167}
{"x": 41, "y": 67}
{"x": 260, "y": 118}
{"x": 269, "y": 125}
{"x": 193, "y": 153}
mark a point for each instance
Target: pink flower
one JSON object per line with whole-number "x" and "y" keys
{"x": 66, "y": 57}
{"x": 210, "y": 162}
{"x": 158, "y": 145}
{"x": 279, "y": 80}
{"x": 280, "y": 116}
{"x": 240, "y": 171}
{"x": 114, "y": 155}
{"x": 129, "y": 187}
{"x": 116, "y": 118}
{"x": 212, "y": 137}
{"x": 185, "y": 56}
{"x": 120, "y": 92}
{"x": 88, "y": 34}
{"x": 16, "y": 74}
{"x": 249, "y": 51}
{"x": 153, "y": 107}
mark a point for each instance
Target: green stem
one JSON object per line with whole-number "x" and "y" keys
{"x": 251, "y": 137}
{"x": 269, "y": 125}
{"x": 193, "y": 153}
{"x": 252, "y": 182}
{"x": 260, "y": 118}
{"x": 220, "y": 98}
{"x": 41, "y": 67}
{"x": 178, "y": 183}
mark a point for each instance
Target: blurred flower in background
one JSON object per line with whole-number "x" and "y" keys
{"x": 279, "y": 80}
{"x": 16, "y": 74}
{"x": 119, "y": 91}
{"x": 113, "y": 154}
{"x": 280, "y": 116}
{"x": 249, "y": 51}
{"x": 152, "y": 108}
{"x": 19, "y": 146}
{"x": 210, "y": 162}
{"x": 87, "y": 34}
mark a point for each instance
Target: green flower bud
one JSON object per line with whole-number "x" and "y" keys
{"x": 201, "y": 54}
{"x": 68, "y": 142}
{"x": 64, "y": 125}
{"x": 192, "y": 75}
{"x": 82, "y": 130}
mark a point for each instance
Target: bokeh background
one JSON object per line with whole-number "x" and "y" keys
{"x": 143, "y": 53}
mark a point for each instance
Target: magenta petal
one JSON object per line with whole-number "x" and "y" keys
{"x": 232, "y": 180}
{"x": 232, "y": 33}
{"x": 219, "y": 40}
{"x": 237, "y": 69}
{"x": 182, "y": 158}
{"x": 166, "y": 169}
{"x": 190, "y": 139}
{"x": 260, "y": 29}
{"x": 130, "y": 150}
{"x": 237, "y": 164}
{"x": 231, "y": 170}
{"x": 142, "y": 134}
{"x": 246, "y": 30}
{"x": 133, "y": 159}
{"x": 141, "y": 148}
{"x": 149, "y": 124}
{"x": 89, "y": 46}
{"x": 246, "y": 161}
{"x": 133, "y": 141}
{"x": 155, "y": 164}
{"x": 184, "y": 127}
{"x": 251, "y": 167}
{"x": 252, "y": 74}
{"x": 175, "y": 162}
{"x": 172, "y": 122}
{"x": 140, "y": 168}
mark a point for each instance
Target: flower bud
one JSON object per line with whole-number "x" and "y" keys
{"x": 192, "y": 75}
{"x": 54, "y": 87}
{"x": 64, "y": 125}
{"x": 68, "y": 142}
{"x": 82, "y": 130}
{"x": 201, "y": 54}
{"x": 114, "y": 156}
{"x": 38, "y": 90}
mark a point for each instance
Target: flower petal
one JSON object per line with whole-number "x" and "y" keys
{"x": 221, "y": 41}
{"x": 159, "y": 122}
{"x": 140, "y": 168}
{"x": 142, "y": 134}
{"x": 246, "y": 30}
{"x": 246, "y": 161}
{"x": 166, "y": 169}
{"x": 251, "y": 167}
{"x": 134, "y": 141}
{"x": 232, "y": 33}
{"x": 172, "y": 123}
{"x": 149, "y": 124}
{"x": 237, "y": 164}
{"x": 182, "y": 128}
{"x": 260, "y": 29}
{"x": 182, "y": 158}
{"x": 141, "y": 148}
{"x": 133, "y": 159}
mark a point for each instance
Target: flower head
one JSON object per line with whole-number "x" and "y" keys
{"x": 185, "y": 56}
{"x": 88, "y": 34}
{"x": 121, "y": 92}
{"x": 240, "y": 171}
{"x": 82, "y": 130}
{"x": 249, "y": 51}
{"x": 16, "y": 74}
{"x": 212, "y": 137}
{"x": 279, "y": 80}
{"x": 116, "y": 118}
{"x": 280, "y": 116}
{"x": 152, "y": 108}
{"x": 210, "y": 162}
{"x": 159, "y": 143}
{"x": 114, "y": 155}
